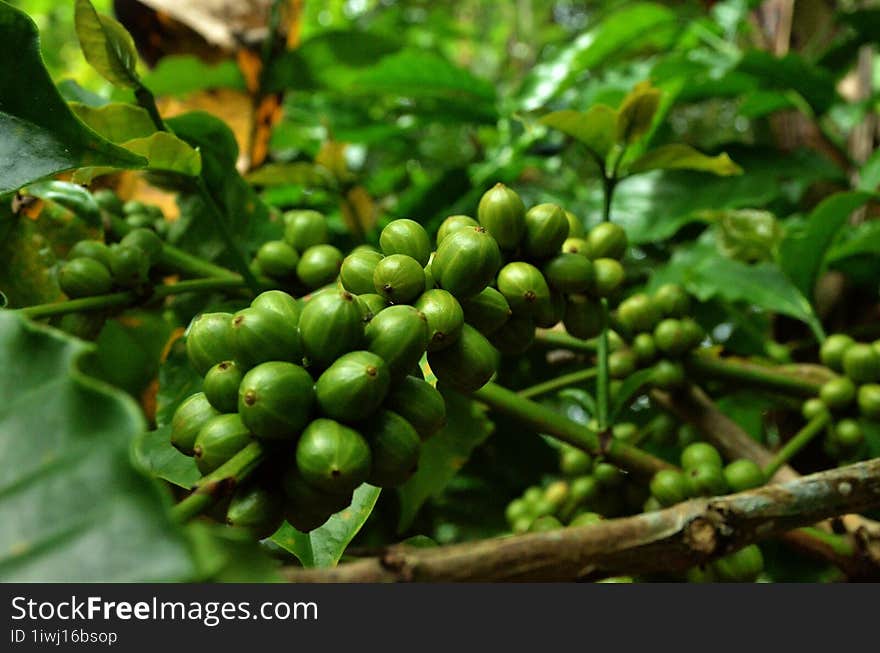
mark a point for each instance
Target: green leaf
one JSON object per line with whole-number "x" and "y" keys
{"x": 161, "y": 459}
{"x": 863, "y": 240}
{"x": 793, "y": 72}
{"x": 298, "y": 172}
{"x": 229, "y": 555}
{"x": 635, "y": 115}
{"x": 70, "y": 196}
{"x": 443, "y": 454}
{"x": 167, "y": 153}
{"x": 107, "y": 46}
{"x": 594, "y": 128}
{"x": 707, "y": 275}
{"x": 869, "y": 174}
{"x": 177, "y": 381}
{"x": 26, "y": 277}
{"x": 117, "y": 122}
{"x": 75, "y": 509}
{"x": 39, "y": 135}
{"x": 802, "y": 252}
{"x": 678, "y": 156}
{"x": 324, "y": 546}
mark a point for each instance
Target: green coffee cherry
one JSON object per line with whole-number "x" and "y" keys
{"x": 306, "y": 507}
{"x": 398, "y": 335}
{"x": 134, "y": 206}
{"x": 515, "y": 511}
{"x": 399, "y": 278}
{"x": 209, "y": 341}
{"x": 371, "y": 305}
{"x": 333, "y": 458}
{"x": 257, "y": 509}
{"x": 357, "y": 271}
{"x": 139, "y": 221}
{"x": 552, "y": 312}
{"x": 277, "y": 259}
{"x": 812, "y": 408}
{"x": 221, "y": 386}
{"x": 625, "y": 431}
{"x": 621, "y": 363}
{"x": 607, "y": 475}
{"x": 406, "y": 237}
{"x": 574, "y": 462}
{"x": 129, "y": 266}
{"x": 576, "y": 245}
{"x": 838, "y": 393}
{"x": 278, "y": 301}
{"x": 832, "y": 350}
{"x": 848, "y": 434}
{"x": 353, "y": 387}
{"x": 608, "y": 277}
{"x": 524, "y": 288}
{"x": 219, "y": 440}
{"x": 670, "y": 486}
{"x": 466, "y": 262}
{"x": 545, "y": 523}
{"x": 108, "y": 201}
{"x": 586, "y": 519}
{"x": 644, "y": 348}
{"x": 93, "y": 249}
{"x": 546, "y": 230}
{"x": 575, "y": 226}
{"x": 260, "y": 335}
{"x": 276, "y": 400}
{"x": 501, "y": 212}
{"x": 454, "y": 223}
{"x": 583, "y": 317}
{"x": 420, "y": 404}
{"x": 330, "y": 325}
{"x": 84, "y": 277}
{"x": 569, "y": 273}
{"x": 743, "y": 566}
{"x": 607, "y": 240}
{"x": 667, "y": 375}
{"x": 584, "y": 490}
{"x": 692, "y": 333}
{"x": 743, "y": 474}
{"x": 304, "y": 229}
{"x": 687, "y": 434}
{"x": 638, "y": 313}
{"x": 861, "y": 363}
{"x": 672, "y": 300}
{"x": 670, "y": 337}
{"x": 700, "y": 453}
{"x": 318, "y": 266}
{"x": 487, "y": 312}
{"x": 869, "y": 401}
{"x": 191, "y": 415}
{"x": 706, "y": 479}
{"x": 468, "y": 364}
{"x": 395, "y": 448}
{"x": 515, "y": 336}
{"x": 444, "y": 315}
{"x": 145, "y": 240}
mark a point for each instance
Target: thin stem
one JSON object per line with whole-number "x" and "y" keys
{"x": 130, "y": 298}
{"x": 220, "y": 220}
{"x": 840, "y": 544}
{"x": 603, "y": 378}
{"x": 559, "y": 383}
{"x": 545, "y": 420}
{"x": 798, "y": 442}
{"x": 609, "y": 185}
{"x": 564, "y": 341}
{"x": 752, "y": 375}
{"x": 220, "y": 482}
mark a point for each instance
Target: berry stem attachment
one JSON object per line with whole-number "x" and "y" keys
{"x": 546, "y": 420}
{"x": 558, "y": 383}
{"x": 220, "y": 482}
{"x": 798, "y": 442}
{"x": 564, "y": 341}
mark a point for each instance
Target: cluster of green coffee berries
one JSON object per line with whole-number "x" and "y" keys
{"x": 658, "y": 332}
{"x": 702, "y": 474}
{"x": 338, "y": 401}
{"x": 95, "y": 268}
{"x": 137, "y": 214}
{"x": 304, "y": 260}
{"x": 851, "y": 396}
{"x": 742, "y": 566}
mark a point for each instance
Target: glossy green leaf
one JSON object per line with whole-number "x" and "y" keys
{"x": 594, "y": 128}
{"x": 297, "y": 172}
{"x": 179, "y": 75}
{"x": 26, "y": 277}
{"x": 107, "y": 46}
{"x": 167, "y": 153}
{"x": 679, "y": 156}
{"x": 324, "y": 546}
{"x": 70, "y": 196}
{"x": 158, "y": 456}
{"x": 39, "y": 135}
{"x": 118, "y": 122}
{"x": 707, "y": 275}
{"x": 444, "y": 453}
{"x": 863, "y": 240}
{"x": 802, "y": 253}
{"x": 74, "y": 507}
{"x": 636, "y": 113}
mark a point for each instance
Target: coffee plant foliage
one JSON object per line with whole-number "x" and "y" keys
{"x": 425, "y": 279}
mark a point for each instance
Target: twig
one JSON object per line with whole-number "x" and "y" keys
{"x": 666, "y": 541}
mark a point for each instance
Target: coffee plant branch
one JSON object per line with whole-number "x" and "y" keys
{"x": 674, "y": 539}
